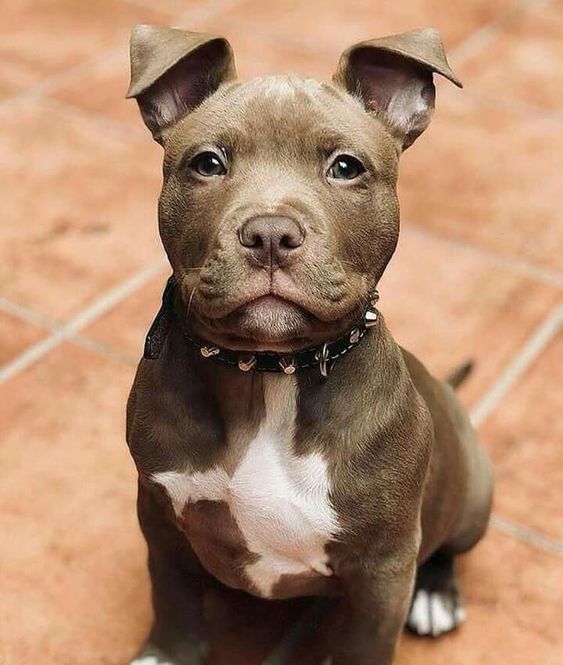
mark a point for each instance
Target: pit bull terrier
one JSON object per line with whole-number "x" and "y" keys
{"x": 286, "y": 445}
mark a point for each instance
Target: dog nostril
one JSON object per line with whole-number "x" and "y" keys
{"x": 250, "y": 238}
{"x": 256, "y": 241}
{"x": 288, "y": 241}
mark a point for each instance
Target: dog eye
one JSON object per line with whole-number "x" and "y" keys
{"x": 345, "y": 167}
{"x": 208, "y": 164}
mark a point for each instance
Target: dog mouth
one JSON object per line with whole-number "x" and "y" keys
{"x": 276, "y": 311}
{"x": 268, "y": 323}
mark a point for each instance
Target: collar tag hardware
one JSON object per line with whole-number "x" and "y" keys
{"x": 323, "y": 356}
{"x": 209, "y": 351}
{"x": 246, "y": 362}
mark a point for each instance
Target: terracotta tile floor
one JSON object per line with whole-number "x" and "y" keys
{"x": 478, "y": 273}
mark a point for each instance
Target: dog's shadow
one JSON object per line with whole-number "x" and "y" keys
{"x": 249, "y": 631}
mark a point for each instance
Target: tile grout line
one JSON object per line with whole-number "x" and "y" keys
{"x": 482, "y": 37}
{"x": 103, "y": 349}
{"x": 493, "y": 258}
{"x": 37, "y": 319}
{"x": 28, "y": 315}
{"x": 105, "y": 123}
{"x": 87, "y": 316}
{"x": 515, "y": 106}
{"x": 527, "y": 535}
{"x": 51, "y": 83}
{"x": 540, "y": 338}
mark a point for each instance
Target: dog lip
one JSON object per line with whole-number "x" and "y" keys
{"x": 272, "y": 299}
{"x": 276, "y": 300}
{"x": 271, "y": 302}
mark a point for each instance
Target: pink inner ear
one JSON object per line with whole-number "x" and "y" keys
{"x": 396, "y": 87}
{"x": 184, "y": 86}
{"x": 380, "y": 84}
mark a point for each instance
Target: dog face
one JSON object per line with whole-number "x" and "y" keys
{"x": 278, "y": 209}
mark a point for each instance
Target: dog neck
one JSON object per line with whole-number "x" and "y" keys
{"x": 322, "y": 356}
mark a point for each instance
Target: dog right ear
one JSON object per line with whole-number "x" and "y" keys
{"x": 173, "y": 71}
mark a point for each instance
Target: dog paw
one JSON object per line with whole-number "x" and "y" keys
{"x": 435, "y": 613}
{"x": 150, "y": 660}
{"x": 193, "y": 653}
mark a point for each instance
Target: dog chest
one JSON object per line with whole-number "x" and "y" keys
{"x": 269, "y": 516}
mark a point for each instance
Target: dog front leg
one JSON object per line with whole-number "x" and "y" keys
{"x": 376, "y": 604}
{"x": 178, "y": 635}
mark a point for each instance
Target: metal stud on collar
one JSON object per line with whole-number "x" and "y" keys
{"x": 370, "y": 318}
{"x": 354, "y": 336}
{"x": 246, "y": 362}
{"x": 287, "y": 363}
{"x": 209, "y": 351}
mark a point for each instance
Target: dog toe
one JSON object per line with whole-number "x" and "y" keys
{"x": 150, "y": 655}
{"x": 150, "y": 660}
{"x": 434, "y": 613}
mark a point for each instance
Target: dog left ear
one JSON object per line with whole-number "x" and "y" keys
{"x": 393, "y": 77}
{"x": 173, "y": 71}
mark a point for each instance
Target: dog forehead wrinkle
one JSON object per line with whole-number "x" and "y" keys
{"x": 282, "y": 118}
{"x": 282, "y": 85}
{"x": 288, "y": 98}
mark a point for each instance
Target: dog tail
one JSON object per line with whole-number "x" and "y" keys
{"x": 458, "y": 376}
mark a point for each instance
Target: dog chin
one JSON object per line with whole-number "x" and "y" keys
{"x": 265, "y": 324}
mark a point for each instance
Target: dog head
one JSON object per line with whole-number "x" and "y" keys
{"x": 278, "y": 208}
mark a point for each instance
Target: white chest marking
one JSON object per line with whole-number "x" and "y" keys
{"x": 278, "y": 500}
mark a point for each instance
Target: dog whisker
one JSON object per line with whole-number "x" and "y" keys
{"x": 190, "y": 302}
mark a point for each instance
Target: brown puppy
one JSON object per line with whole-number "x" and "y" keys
{"x": 286, "y": 445}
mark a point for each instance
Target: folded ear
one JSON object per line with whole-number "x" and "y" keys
{"x": 393, "y": 77}
{"x": 172, "y": 71}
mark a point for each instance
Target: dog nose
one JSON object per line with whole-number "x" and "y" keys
{"x": 271, "y": 240}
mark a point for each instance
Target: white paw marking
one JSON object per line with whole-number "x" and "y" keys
{"x": 434, "y": 614}
{"x": 150, "y": 660}
{"x": 280, "y": 501}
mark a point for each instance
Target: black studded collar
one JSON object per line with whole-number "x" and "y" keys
{"x": 322, "y": 356}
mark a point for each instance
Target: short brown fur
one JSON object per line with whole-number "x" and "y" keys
{"x": 407, "y": 475}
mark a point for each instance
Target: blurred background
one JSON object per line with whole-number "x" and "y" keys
{"x": 478, "y": 273}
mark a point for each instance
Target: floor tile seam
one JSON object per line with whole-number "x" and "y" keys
{"x": 482, "y": 37}
{"x": 69, "y": 331}
{"x": 493, "y": 258}
{"x": 519, "y": 363}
